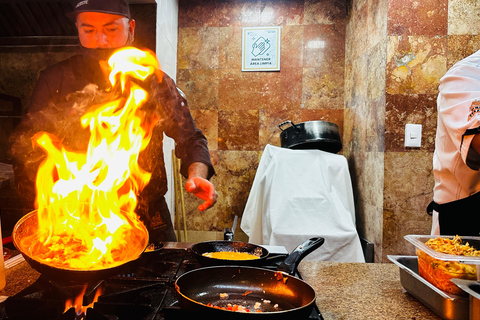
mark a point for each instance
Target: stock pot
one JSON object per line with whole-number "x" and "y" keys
{"x": 322, "y": 135}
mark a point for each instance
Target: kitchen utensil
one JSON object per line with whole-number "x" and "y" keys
{"x": 28, "y": 225}
{"x": 154, "y": 247}
{"x": 322, "y": 135}
{"x": 199, "y": 249}
{"x": 249, "y": 286}
{"x": 229, "y": 233}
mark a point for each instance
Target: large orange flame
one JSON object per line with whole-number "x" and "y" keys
{"x": 86, "y": 200}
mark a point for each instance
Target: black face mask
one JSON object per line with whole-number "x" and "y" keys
{"x": 97, "y": 54}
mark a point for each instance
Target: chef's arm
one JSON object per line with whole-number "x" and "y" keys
{"x": 199, "y": 186}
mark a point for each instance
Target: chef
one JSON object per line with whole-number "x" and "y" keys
{"x": 103, "y": 26}
{"x": 456, "y": 160}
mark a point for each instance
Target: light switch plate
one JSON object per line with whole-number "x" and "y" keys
{"x": 413, "y": 135}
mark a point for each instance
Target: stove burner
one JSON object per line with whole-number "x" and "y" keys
{"x": 143, "y": 291}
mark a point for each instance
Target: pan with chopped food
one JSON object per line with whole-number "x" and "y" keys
{"x": 64, "y": 257}
{"x": 224, "y": 252}
{"x": 240, "y": 292}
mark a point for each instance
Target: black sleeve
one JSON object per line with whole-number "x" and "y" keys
{"x": 41, "y": 95}
{"x": 26, "y": 158}
{"x": 190, "y": 143}
{"x": 44, "y": 112}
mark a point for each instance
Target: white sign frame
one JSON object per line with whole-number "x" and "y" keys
{"x": 261, "y": 48}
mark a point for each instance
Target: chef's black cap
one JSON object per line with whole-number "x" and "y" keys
{"x": 119, "y": 7}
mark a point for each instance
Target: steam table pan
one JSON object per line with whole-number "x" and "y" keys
{"x": 445, "y": 305}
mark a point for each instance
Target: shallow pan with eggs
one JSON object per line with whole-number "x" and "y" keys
{"x": 224, "y": 252}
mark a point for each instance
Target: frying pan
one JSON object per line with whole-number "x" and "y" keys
{"x": 28, "y": 225}
{"x": 199, "y": 249}
{"x": 248, "y": 286}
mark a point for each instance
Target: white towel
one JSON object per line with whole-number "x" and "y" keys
{"x": 300, "y": 194}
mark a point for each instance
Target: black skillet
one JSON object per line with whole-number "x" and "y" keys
{"x": 28, "y": 225}
{"x": 228, "y": 245}
{"x": 199, "y": 249}
{"x": 248, "y": 286}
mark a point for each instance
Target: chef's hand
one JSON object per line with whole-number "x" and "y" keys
{"x": 201, "y": 187}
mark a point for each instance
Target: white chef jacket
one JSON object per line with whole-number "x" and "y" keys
{"x": 455, "y": 166}
{"x": 457, "y": 113}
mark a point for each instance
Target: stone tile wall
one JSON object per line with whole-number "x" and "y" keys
{"x": 379, "y": 70}
{"x": 407, "y": 47}
{"x": 239, "y": 112}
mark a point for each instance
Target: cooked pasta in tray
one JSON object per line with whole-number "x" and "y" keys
{"x": 442, "y": 258}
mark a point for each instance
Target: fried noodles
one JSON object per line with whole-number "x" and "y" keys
{"x": 439, "y": 272}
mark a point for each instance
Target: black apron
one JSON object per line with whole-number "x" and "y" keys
{"x": 460, "y": 217}
{"x": 156, "y": 218}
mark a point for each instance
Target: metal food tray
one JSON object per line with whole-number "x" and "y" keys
{"x": 473, "y": 289}
{"x": 447, "y": 306}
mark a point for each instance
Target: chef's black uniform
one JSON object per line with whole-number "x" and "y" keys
{"x": 61, "y": 96}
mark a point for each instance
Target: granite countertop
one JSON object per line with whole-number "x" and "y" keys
{"x": 344, "y": 290}
{"x": 359, "y": 291}
{"x": 18, "y": 278}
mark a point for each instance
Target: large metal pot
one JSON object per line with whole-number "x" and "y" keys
{"x": 322, "y": 135}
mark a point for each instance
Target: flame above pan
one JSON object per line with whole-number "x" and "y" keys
{"x": 86, "y": 199}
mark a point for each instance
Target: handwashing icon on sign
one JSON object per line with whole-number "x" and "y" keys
{"x": 260, "y": 46}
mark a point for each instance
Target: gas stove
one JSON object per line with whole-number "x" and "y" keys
{"x": 143, "y": 291}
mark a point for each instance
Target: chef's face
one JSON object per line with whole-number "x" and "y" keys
{"x": 102, "y": 30}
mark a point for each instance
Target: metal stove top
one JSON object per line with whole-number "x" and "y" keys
{"x": 144, "y": 291}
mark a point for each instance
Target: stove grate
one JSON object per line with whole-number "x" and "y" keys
{"x": 143, "y": 291}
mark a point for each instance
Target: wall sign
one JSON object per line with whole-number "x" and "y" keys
{"x": 261, "y": 49}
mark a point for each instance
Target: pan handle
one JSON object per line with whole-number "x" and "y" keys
{"x": 229, "y": 233}
{"x": 290, "y": 264}
{"x": 281, "y": 125}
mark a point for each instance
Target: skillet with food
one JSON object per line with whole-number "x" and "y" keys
{"x": 229, "y": 253}
{"x": 216, "y": 291}
{"x": 26, "y": 228}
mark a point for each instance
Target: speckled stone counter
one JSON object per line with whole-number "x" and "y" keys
{"x": 359, "y": 291}
{"x": 345, "y": 291}
{"x": 18, "y": 278}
